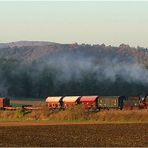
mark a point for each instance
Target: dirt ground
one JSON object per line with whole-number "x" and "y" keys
{"x": 85, "y": 135}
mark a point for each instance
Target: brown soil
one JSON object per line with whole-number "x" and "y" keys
{"x": 91, "y": 135}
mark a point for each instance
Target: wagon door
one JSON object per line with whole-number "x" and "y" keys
{"x": 113, "y": 102}
{"x": 101, "y": 102}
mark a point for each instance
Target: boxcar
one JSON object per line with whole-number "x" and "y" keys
{"x": 4, "y": 102}
{"x": 132, "y": 102}
{"x": 70, "y": 101}
{"x": 54, "y": 102}
{"x": 110, "y": 102}
{"x": 89, "y": 102}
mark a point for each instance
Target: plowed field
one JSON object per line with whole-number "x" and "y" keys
{"x": 113, "y": 135}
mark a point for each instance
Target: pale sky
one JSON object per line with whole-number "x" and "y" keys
{"x": 94, "y": 22}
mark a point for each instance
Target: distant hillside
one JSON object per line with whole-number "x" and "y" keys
{"x": 25, "y": 43}
{"x": 34, "y": 50}
{"x": 38, "y": 69}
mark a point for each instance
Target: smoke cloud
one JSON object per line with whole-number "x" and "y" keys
{"x": 74, "y": 67}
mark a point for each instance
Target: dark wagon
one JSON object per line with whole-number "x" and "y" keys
{"x": 111, "y": 102}
{"x": 132, "y": 102}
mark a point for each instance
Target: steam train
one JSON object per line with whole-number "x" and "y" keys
{"x": 94, "y": 103}
{"x": 98, "y": 102}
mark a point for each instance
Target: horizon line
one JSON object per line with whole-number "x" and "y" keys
{"x": 79, "y": 43}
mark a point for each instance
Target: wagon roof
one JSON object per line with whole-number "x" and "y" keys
{"x": 2, "y": 98}
{"x": 133, "y": 97}
{"x": 53, "y": 99}
{"x": 70, "y": 98}
{"x": 111, "y": 97}
{"x": 88, "y": 98}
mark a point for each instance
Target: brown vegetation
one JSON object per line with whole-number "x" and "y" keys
{"x": 78, "y": 113}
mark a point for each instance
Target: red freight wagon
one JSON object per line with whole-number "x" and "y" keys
{"x": 4, "y": 102}
{"x": 70, "y": 101}
{"x": 54, "y": 102}
{"x": 90, "y": 102}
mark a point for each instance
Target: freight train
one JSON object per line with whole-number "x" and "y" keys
{"x": 98, "y": 102}
{"x": 94, "y": 103}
